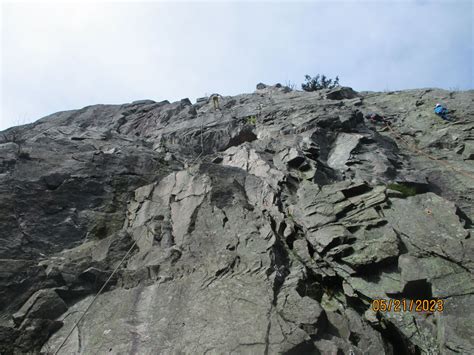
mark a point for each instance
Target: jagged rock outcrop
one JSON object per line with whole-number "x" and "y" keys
{"x": 268, "y": 226}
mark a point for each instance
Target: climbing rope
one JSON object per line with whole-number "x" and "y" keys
{"x": 415, "y": 149}
{"x": 96, "y": 296}
{"x": 202, "y": 128}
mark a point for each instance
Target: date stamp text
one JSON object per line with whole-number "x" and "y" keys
{"x": 407, "y": 305}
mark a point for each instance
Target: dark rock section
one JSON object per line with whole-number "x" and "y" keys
{"x": 268, "y": 225}
{"x": 341, "y": 93}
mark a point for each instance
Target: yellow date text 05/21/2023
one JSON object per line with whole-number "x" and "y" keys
{"x": 407, "y": 305}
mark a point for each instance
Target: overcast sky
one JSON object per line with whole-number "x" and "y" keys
{"x": 59, "y": 56}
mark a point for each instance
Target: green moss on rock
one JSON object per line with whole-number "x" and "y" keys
{"x": 405, "y": 190}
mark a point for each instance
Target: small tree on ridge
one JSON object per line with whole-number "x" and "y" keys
{"x": 319, "y": 82}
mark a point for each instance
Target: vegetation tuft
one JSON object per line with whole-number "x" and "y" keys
{"x": 405, "y": 190}
{"x": 319, "y": 82}
{"x": 252, "y": 120}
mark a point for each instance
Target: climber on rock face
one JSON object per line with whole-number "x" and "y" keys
{"x": 375, "y": 117}
{"x": 215, "y": 101}
{"x": 441, "y": 112}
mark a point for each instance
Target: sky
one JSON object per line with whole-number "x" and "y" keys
{"x": 57, "y": 56}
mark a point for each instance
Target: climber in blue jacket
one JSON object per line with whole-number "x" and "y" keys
{"x": 442, "y": 112}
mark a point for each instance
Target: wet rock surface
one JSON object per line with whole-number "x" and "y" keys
{"x": 267, "y": 226}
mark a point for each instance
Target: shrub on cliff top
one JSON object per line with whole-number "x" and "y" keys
{"x": 319, "y": 82}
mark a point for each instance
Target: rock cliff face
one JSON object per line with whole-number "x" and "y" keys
{"x": 268, "y": 226}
